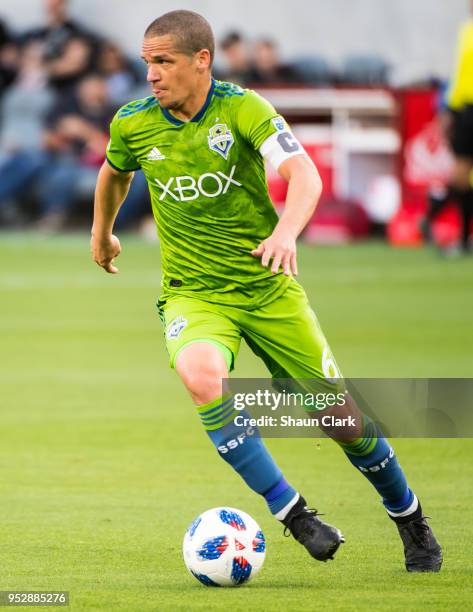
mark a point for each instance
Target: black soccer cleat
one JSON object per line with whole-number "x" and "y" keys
{"x": 422, "y": 551}
{"x": 320, "y": 539}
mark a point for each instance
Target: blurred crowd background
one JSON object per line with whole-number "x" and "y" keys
{"x": 62, "y": 81}
{"x": 60, "y": 85}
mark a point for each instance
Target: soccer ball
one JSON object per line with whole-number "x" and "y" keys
{"x": 224, "y": 547}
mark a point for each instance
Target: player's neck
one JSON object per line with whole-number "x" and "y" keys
{"x": 194, "y": 102}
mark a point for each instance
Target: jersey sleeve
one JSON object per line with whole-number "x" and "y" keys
{"x": 266, "y": 130}
{"x": 118, "y": 154}
{"x": 254, "y": 119}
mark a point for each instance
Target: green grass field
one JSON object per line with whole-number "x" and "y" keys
{"x": 103, "y": 463}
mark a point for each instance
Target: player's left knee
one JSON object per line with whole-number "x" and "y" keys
{"x": 202, "y": 367}
{"x": 203, "y": 388}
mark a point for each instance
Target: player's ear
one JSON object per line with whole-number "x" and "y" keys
{"x": 202, "y": 59}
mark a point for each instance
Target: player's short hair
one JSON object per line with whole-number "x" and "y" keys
{"x": 191, "y": 31}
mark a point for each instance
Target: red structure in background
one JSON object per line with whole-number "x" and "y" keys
{"x": 321, "y": 155}
{"x": 334, "y": 221}
{"x": 359, "y": 124}
{"x": 425, "y": 164}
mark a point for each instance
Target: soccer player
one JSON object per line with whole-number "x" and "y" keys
{"x": 229, "y": 265}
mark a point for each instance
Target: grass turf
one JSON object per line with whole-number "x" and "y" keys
{"x": 103, "y": 462}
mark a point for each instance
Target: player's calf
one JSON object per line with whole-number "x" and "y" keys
{"x": 373, "y": 456}
{"x": 202, "y": 366}
{"x": 244, "y": 450}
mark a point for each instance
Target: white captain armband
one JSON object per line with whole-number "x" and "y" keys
{"x": 280, "y": 146}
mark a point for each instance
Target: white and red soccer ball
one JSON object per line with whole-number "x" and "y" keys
{"x": 224, "y": 547}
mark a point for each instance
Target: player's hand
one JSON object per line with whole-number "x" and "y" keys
{"x": 281, "y": 248}
{"x": 104, "y": 252}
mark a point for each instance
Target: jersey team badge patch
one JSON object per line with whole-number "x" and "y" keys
{"x": 220, "y": 139}
{"x": 175, "y": 327}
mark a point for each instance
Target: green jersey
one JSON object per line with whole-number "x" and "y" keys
{"x": 208, "y": 191}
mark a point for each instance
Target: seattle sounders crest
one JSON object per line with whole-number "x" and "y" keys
{"x": 220, "y": 139}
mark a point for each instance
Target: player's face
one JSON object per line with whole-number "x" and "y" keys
{"x": 174, "y": 76}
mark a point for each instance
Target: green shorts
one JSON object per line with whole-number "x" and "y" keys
{"x": 285, "y": 333}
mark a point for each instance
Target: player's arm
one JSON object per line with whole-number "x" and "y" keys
{"x": 270, "y": 135}
{"x": 113, "y": 183}
{"x": 304, "y": 189}
{"x": 111, "y": 190}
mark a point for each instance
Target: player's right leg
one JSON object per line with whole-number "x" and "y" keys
{"x": 202, "y": 344}
{"x": 202, "y": 367}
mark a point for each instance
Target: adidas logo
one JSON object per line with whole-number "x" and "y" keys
{"x": 155, "y": 154}
{"x": 239, "y": 545}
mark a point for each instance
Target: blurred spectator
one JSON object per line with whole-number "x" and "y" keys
{"x": 315, "y": 70}
{"x": 8, "y": 58}
{"x": 21, "y": 156}
{"x": 68, "y": 48}
{"x": 25, "y": 103}
{"x": 268, "y": 68}
{"x": 119, "y": 73}
{"x": 78, "y": 124}
{"x": 76, "y": 137}
{"x": 64, "y": 166}
{"x": 238, "y": 67}
{"x": 365, "y": 70}
{"x": 55, "y": 119}
{"x": 78, "y": 130}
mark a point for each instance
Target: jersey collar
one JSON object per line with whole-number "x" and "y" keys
{"x": 199, "y": 115}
